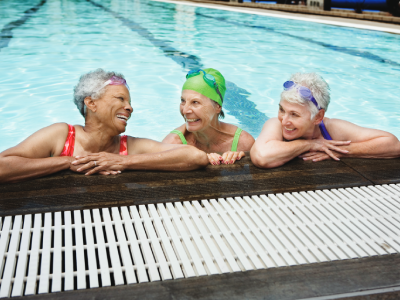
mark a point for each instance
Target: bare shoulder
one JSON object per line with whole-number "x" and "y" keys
{"x": 342, "y": 130}
{"x": 272, "y": 122}
{"x": 45, "y": 142}
{"x": 272, "y": 130}
{"x": 246, "y": 141}
{"x": 173, "y": 138}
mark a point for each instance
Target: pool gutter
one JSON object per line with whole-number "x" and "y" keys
{"x": 368, "y": 21}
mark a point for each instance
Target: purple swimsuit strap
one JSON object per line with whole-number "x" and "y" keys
{"x": 324, "y": 132}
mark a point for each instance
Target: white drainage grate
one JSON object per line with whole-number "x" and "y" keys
{"x": 64, "y": 251}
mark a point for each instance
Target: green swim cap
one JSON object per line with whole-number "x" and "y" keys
{"x": 197, "y": 84}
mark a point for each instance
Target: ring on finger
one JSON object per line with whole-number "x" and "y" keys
{"x": 95, "y": 163}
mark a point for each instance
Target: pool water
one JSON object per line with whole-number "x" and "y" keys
{"x": 46, "y": 45}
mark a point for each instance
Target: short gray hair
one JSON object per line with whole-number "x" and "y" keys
{"x": 318, "y": 87}
{"x": 89, "y": 85}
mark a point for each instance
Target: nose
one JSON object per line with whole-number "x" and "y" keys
{"x": 129, "y": 108}
{"x": 186, "y": 109}
{"x": 285, "y": 119}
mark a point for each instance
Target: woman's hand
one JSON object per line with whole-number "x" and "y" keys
{"x": 319, "y": 156}
{"x": 327, "y": 147}
{"x": 230, "y": 157}
{"x": 214, "y": 158}
{"x": 103, "y": 163}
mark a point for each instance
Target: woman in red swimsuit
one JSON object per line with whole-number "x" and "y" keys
{"x": 104, "y": 101}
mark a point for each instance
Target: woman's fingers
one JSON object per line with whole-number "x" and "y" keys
{"x": 83, "y": 160}
{"x": 331, "y": 154}
{"x": 210, "y": 159}
{"x": 213, "y": 158}
{"x": 241, "y": 154}
{"x": 308, "y": 154}
{"x": 234, "y": 157}
{"x": 337, "y": 149}
{"x": 321, "y": 157}
{"x": 224, "y": 157}
{"x": 339, "y": 143}
{"x": 89, "y": 165}
{"x": 94, "y": 170}
{"x": 228, "y": 159}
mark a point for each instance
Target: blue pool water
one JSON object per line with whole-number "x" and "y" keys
{"x": 46, "y": 45}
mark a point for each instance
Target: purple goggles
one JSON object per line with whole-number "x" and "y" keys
{"x": 303, "y": 91}
{"x": 115, "y": 80}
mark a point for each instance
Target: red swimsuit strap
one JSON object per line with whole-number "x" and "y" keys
{"x": 123, "y": 148}
{"x": 69, "y": 143}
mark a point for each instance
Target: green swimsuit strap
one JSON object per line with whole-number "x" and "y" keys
{"x": 235, "y": 141}
{"x": 181, "y": 136}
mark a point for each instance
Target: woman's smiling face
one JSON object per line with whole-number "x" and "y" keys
{"x": 296, "y": 120}
{"x": 197, "y": 110}
{"x": 114, "y": 107}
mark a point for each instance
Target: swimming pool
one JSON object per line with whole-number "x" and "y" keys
{"x": 46, "y": 45}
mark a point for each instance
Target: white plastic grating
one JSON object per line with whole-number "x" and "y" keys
{"x": 64, "y": 251}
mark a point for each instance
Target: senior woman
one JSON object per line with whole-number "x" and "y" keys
{"x": 301, "y": 129}
{"x": 201, "y": 107}
{"x": 104, "y": 101}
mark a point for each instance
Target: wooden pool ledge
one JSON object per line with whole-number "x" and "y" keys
{"x": 71, "y": 191}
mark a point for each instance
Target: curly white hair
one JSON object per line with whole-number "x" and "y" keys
{"x": 318, "y": 87}
{"x": 89, "y": 86}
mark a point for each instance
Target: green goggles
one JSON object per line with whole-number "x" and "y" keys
{"x": 208, "y": 78}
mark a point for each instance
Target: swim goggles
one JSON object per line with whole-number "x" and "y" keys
{"x": 208, "y": 78}
{"x": 303, "y": 91}
{"x": 115, "y": 80}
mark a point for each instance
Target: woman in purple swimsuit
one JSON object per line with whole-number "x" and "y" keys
{"x": 302, "y": 130}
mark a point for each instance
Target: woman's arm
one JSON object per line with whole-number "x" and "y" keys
{"x": 270, "y": 151}
{"x": 173, "y": 138}
{"x": 31, "y": 158}
{"x": 146, "y": 154}
{"x": 365, "y": 142}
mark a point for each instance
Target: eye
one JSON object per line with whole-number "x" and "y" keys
{"x": 281, "y": 109}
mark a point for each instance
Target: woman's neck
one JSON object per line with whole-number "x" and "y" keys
{"x": 211, "y": 136}
{"x": 98, "y": 138}
{"x": 316, "y": 133}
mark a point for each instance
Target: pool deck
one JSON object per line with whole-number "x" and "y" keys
{"x": 372, "y": 21}
{"x": 70, "y": 191}
{"x": 376, "y": 277}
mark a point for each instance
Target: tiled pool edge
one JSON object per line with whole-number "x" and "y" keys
{"x": 329, "y": 20}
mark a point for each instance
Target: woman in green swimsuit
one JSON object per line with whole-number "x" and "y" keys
{"x": 201, "y": 107}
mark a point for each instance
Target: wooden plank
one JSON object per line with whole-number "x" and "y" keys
{"x": 54, "y": 193}
{"x": 295, "y": 282}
